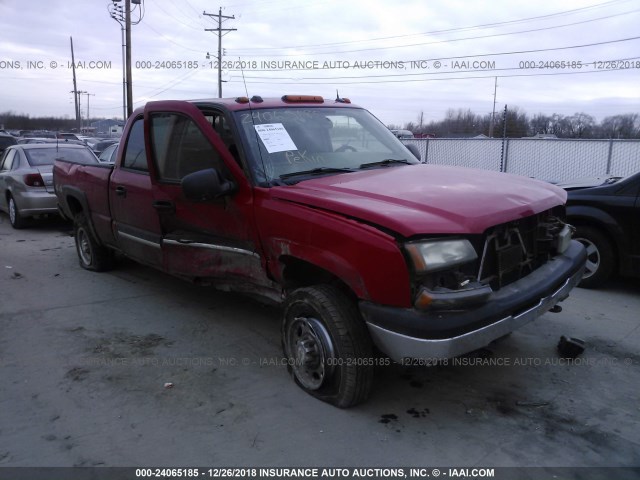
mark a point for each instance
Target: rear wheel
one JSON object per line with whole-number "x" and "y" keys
{"x": 327, "y": 345}
{"x": 91, "y": 254}
{"x": 600, "y": 256}
{"x": 16, "y": 219}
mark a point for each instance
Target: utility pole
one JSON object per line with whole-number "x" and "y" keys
{"x": 75, "y": 87}
{"x": 504, "y": 138}
{"x": 79, "y": 92}
{"x": 493, "y": 114}
{"x": 124, "y": 19}
{"x": 220, "y": 30}
{"x": 88, "y": 95}
{"x": 117, "y": 14}
{"x": 127, "y": 21}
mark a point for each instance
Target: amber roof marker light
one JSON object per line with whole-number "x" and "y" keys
{"x": 302, "y": 99}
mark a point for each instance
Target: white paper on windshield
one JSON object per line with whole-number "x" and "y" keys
{"x": 275, "y": 137}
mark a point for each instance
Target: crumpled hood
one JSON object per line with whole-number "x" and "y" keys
{"x": 426, "y": 199}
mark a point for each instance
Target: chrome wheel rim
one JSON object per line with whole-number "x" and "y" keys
{"x": 593, "y": 257}
{"x": 308, "y": 347}
{"x": 12, "y": 211}
{"x": 84, "y": 246}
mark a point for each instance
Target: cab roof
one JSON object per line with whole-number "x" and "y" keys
{"x": 257, "y": 102}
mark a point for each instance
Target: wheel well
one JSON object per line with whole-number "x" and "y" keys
{"x": 75, "y": 206}
{"x": 300, "y": 273}
{"x": 583, "y": 222}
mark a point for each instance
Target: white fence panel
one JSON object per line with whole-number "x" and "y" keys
{"x": 625, "y": 158}
{"x": 557, "y": 160}
{"x": 546, "y": 159}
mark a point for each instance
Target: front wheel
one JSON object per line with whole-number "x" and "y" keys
{"x": 327, "y": 345}
{"x": 91, "y": 254}
{"x": 600, "y": 256}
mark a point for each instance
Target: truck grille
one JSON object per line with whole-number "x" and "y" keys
{"x": 512, "y": 250}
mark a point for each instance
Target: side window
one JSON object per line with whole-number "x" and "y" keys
{"x": 8, "y": 161}
{"x": 135, "y": 155}
{"x": 180, "y": 148}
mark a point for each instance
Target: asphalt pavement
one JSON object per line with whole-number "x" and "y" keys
{"x": 136, "y": 368}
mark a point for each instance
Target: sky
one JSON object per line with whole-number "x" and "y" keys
{"x": 404, "y": 61}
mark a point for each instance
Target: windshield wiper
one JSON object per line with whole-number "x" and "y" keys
{"x": 388, "y": 161}
{"x": 316, "y": 171}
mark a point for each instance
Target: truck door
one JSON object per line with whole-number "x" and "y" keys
{"x": 213, "y": 240}
{"x": 135, "y": 219}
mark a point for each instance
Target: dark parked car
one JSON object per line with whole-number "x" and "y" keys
{"x": 26, "y": 183}
{"x": 109, "y": 154}
{"x": 67, "y": 136}
{"x": 100, "y": 146}
{"x": 606, "y": 214}
{"x": 6, "y": 140}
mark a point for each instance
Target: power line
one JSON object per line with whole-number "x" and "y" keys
{"x": 448, "y": 78}
{"x": 199, "y": 27}
{"x": 437, "y": 32}
{"x": 353, "y": 77}
{"x": 170, "y": 40}
{"x": 454, "y": 39}
{"x": 478, "y": 55}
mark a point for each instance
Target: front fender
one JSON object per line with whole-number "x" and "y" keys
{"x": 595, "y": 217}
{"x": 365, "y": 258}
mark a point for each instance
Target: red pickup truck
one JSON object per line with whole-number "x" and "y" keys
{"x": 316, "y": 205}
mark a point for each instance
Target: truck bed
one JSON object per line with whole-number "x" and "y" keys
{"x": 89, "y": 184}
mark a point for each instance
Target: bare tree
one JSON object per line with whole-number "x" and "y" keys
{"x": 621, "y": 126}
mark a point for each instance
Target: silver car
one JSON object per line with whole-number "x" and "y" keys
{"x": 109, "y": 154}
{"x": 26, "y": 178}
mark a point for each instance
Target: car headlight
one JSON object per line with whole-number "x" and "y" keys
{"x": 435, "y": 255}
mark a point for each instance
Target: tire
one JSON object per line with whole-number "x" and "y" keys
{"x": 15, "y": 218}
{"x": 327, "y": 345}
{"x": 91, "y": 254}
{"x": 601, "y": 258}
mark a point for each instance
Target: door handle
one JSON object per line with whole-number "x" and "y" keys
{"x": 164, "y": 206}
{"x": 121, "y": 191}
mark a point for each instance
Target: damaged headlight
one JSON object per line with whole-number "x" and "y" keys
{"x": 435, "y": 255}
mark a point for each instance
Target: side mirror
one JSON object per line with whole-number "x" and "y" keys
{"x": 205, "y": 185}
{"x": 413, "y": 149}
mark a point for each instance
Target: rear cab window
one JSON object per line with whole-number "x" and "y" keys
{"x": 135, "y": 154}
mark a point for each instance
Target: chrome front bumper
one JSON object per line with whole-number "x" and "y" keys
{"x": 400, "y": 346}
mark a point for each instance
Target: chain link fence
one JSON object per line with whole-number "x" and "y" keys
{"x": 554, "y": 160}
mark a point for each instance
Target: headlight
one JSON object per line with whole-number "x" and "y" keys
{"x": 431, "y": 256}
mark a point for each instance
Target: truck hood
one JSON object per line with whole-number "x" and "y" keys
{"x": 426, "y": 199}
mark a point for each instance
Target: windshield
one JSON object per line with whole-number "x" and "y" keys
{"x": 294, "y": 143}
